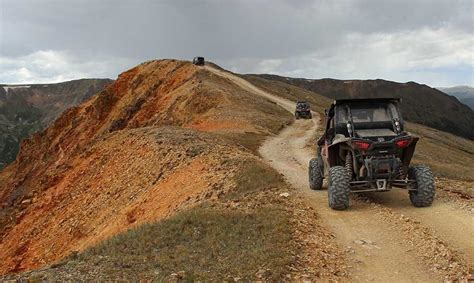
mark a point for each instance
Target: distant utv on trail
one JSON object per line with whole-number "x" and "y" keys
{"x": 303, "y": 110}
{"x": 365, "y": 149}
{"x": 199, "y": 61}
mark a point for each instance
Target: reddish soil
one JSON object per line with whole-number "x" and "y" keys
{"x": 114, "y": 162}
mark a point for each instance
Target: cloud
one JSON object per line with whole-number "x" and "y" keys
{"x": 306, "y": 38}
{"x": 436, "y": 56}
{"x": 48, "y": 66}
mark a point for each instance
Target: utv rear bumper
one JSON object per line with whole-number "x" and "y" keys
{"x": 380, "y": 185}
{"x": 303, "y": 113}
{"x": 380, "y": 173}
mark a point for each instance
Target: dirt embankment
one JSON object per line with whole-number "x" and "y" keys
{"x": 166, "y": 135}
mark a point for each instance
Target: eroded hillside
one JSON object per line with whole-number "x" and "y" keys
{"x": 26, "y": 109}
{"x": 167, "y": 136}
{"x": 76, "y": 176}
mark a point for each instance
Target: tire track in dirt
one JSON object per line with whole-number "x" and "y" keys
{"x": 380, "y": 241}
{"x": 453, "y": 225}
{"x": 353, "y": 228}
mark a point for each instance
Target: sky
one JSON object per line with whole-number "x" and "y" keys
{"x": 430, "y": 42}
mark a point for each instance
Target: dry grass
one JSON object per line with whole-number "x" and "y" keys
{"x": 213, "y": 241}
{"x": 203, "y": 242}
{"x": 255, "y": 177}
{"x": 448, "y": 155}
{"x": 318, "y": 102}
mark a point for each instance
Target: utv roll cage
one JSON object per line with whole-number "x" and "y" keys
{"x": 347, "y": 128}
{"x": 303, "y": 110}
{"x": 199, "y": 61}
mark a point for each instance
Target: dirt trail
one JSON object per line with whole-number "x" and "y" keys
{"x": 285, "y": 103}
{"x": 453, "y": 225}
{"x": 381, "y": 242}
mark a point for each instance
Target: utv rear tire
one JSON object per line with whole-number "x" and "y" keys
{"x": 297, "y": 116}
{"x": 310, "y": 116}
{"x": 315, "y": 170}
{"x": 424, "y": 194}
{"x": 338, "y": 188}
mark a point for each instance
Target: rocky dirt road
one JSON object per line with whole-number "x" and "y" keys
{"x": 385, "y": 238}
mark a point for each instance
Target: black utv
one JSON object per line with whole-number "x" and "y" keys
{"x": 365, "y": 149}
{"x": 199, "y": 61}
{"x": 303, "y": 110}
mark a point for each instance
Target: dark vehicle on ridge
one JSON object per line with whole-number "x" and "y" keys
{"x": 198, "y": 61}
{"x": 365, "y": 149}
{"x": 303, "y": 110}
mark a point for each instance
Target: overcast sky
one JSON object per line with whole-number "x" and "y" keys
{"x": 430, "y": 42}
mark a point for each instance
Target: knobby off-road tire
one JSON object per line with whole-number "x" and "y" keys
{"x": 425, "y": 186}
{"x": 315, "y": 171}
{"x": 338, "y": 188}
{"x": 297, "y": 116}
{"x": 310, "y": 116}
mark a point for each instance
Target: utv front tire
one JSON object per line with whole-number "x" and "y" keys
{"x": 338, "y": 188}
{"x": 424, "y": 188}
{"x": 315, "y": 170}
{"x": 297, "y": 116}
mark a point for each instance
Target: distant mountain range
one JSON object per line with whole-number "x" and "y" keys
{"x": 25, "y": 109}
{"x": 465, "y": 94}
{"x": 420, "y": 103}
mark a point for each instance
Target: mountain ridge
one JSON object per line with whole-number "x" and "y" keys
{"x": 422, "y": 104}
{"x": 151, "y": 135}
{"x": 464, "y": 94}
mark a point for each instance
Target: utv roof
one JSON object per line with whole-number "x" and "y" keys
{"x": 375, "y": 99}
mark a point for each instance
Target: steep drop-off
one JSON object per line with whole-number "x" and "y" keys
{"x": 165, "y": 135}
{"x": 26, "y": 109}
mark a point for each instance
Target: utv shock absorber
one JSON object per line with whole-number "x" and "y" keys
{"x": 401, "y": 173}
{"x": 349, "y": 165}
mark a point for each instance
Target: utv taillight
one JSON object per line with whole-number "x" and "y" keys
{"x": 362, "y": 145}
{"x": 402, "y": 143}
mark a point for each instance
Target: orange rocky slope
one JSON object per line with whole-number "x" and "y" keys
{"x": 164, "y": 136}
